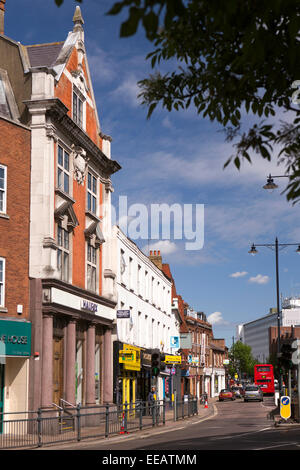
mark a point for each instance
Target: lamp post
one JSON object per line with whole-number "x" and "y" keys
{"x": 276, "y": 245}
{"x": 270, "y": 181}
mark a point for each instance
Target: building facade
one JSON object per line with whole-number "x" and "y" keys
{"x": 145, "y": 323}
{"x": 15, "y": 324}
{"x": 72, "y": 299}
{"x": 256, "y": 333}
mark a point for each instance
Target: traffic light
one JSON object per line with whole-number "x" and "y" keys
{"x": 285, "y": 357}
{"x": 162, "y": 362}
{"x": 155, "y": 362}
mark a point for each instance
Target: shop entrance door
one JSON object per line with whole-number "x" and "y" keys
{"x": 1, "y": 396}
{"x": 58, "y": 356}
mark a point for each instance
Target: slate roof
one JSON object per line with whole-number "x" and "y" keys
{"x": 44, "y": 55}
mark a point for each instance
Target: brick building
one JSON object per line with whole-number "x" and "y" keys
{"x": 202, "y": 356}
{"x": 72, "y": 295}
{"x": 15, "y": 327}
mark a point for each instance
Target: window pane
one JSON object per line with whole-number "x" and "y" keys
{"x": 66, "y": 183}
{"x": 66, "y": 239}
{"x": 1, "y": 270}
{"x": 89, "y": 181}
{"x": 74, "y": 107}
{"x": 59, "y": 178}
{"x": 59, "y": 252}
{"x": 89, "y": 203}
{"x": 66, "y": 163}
{"x": 94, "y": 205}
{"x": 60, "y": 156}
{"x": 1, "y": 201}
{"x": 79, "y": 112}
{"x": 66, "y": 267}
{"x": 94, "y": 185}
{"x": 59, "y": 236}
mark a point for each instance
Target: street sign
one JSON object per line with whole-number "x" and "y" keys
{"x": 123, "y": 313}
{"x": 285, "y": 407}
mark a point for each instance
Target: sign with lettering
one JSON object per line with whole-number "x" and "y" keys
{"x": 89, "y": 306}
{"x": 130, "y": 357}
{"x": 15, "y": 338}
{"x": 173, "y": 359}
{"x": 123, "y": 313}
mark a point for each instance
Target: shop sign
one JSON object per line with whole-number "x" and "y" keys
{"x": 186, "y": 340}
{"x": 15, "y": 338}
{"x": 146, "y": 359}
{"x": 174, "y": 342}
{"x": 130, "y": 357}
{"x": 89, "y": 306}
{"x": 173, "y": 359}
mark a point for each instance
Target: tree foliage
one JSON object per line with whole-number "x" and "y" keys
{"x": 228, "y": 59}
{"x": 241, "y": 360}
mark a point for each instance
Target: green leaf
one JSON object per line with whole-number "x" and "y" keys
{"x": 129, "y": 27}
{"x": 237, "y": 162}
{"x": 151, "y": 109}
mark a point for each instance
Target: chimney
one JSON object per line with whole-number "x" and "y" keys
{"x": 2, "y": 12}
{"x": 156, "y": 259}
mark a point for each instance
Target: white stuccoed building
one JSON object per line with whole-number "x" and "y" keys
{"x": 146, "y": 292}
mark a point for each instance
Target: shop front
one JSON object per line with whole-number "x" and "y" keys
{"x": 127, "y": 373}
{"x": 15, "y": 350}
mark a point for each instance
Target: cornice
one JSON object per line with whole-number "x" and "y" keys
{"x": 56, "y": 109}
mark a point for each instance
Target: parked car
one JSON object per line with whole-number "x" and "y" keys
{"x": 253, "y": 392}
{"x": 226, "y": 394}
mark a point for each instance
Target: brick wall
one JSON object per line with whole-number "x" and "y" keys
{"x": 14, "y": 231}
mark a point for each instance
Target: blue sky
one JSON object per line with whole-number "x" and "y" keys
{"x": 178, "y": 157}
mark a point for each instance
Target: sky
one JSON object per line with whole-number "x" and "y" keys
{"x": 177, "y": 158}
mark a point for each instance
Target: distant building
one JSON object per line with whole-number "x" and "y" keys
{"x": 256, "y": 333}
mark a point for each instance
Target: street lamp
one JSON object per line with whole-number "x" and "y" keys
{"x": 270, "y": 181}
{"x": 253, "y": 251}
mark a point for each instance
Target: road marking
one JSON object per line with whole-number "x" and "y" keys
{"x": 278, "y": 445}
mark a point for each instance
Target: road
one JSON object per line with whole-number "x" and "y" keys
{"x": 235, "y": 426}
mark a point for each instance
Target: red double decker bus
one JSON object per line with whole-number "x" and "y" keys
{"x": 264, "y": 377}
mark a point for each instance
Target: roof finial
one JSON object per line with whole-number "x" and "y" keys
{"x": 77, "y": 19}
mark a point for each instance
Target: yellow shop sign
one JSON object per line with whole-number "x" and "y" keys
{"x": 130, "y": 357}
{"x": 172, "y": 359}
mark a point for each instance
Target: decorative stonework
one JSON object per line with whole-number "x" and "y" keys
{"x": 80, "y": 163}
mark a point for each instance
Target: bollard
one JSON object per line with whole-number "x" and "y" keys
{"x": 78, "y": 423}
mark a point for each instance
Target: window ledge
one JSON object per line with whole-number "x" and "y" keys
{"x": 64, "y": 195}
{"x": 92, "y": 216}
{"x": 3, "y": 310}
{"x": 4, "y": 216}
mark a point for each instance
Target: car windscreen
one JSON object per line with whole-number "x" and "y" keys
{"x": 252, "y": 389}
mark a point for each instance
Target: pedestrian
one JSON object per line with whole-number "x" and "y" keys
{"x": 151, "y": 399}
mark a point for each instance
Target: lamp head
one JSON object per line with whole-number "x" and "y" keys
{"x": 270, "y": 183}
{"x": 253, "y": 251}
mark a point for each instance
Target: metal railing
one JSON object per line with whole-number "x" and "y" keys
{"x": 69, "y": 423}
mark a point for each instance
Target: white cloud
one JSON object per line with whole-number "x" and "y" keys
{"x": 259, "y": 279}
{"x": 238, "y": 274}
{"x": 216, "y": 319}
{"x": 128, "y": 91}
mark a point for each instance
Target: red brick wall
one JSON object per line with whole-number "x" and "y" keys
{"x": 15, "y": 151}
{"x": 63, "y": 91}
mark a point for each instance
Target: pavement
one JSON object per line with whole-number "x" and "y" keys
{"x": 203, "y": 414}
